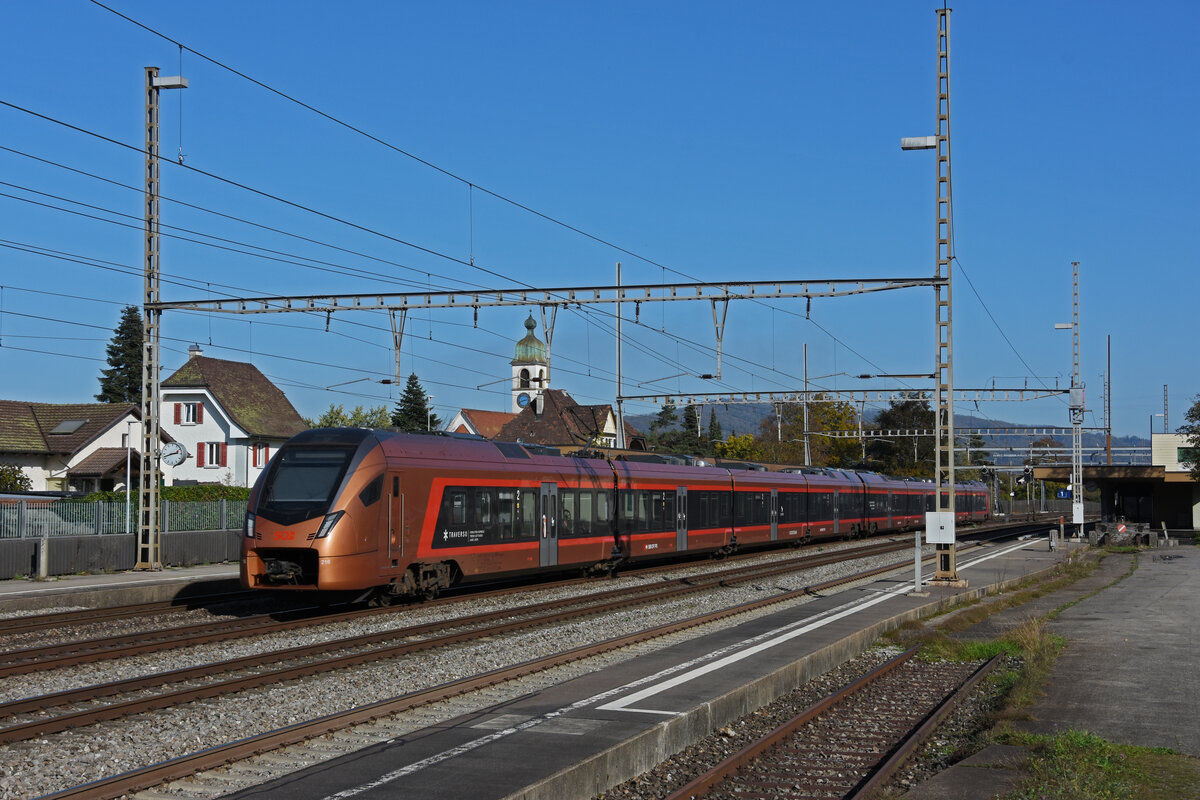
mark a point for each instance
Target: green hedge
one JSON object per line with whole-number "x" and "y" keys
{"x": 208, "y": 491}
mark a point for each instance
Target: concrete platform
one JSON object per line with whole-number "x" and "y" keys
{"x": 117, "y": 588}
{"x": 1127, "y": 672}
{"x": 579, "y": 738}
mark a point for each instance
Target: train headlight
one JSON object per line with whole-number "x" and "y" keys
{"x": 249, "y": 526}
{"x": 328, "y": 523}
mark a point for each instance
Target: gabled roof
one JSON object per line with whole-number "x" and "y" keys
{"x": 254, "y": 403}
{"x": 486, "y": 423}
{"x": 563, "y": 422}
{"x": 26, "y": 427}
{"x": 106, "y": 461}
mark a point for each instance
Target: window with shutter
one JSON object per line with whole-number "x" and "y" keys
{"x": 178, "y": 412}
{"x": 199, "y": 413}
{"x": 224, "y": 454}
{"x": 200, "y": 451}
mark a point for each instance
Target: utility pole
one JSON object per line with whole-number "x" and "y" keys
{"x": 940, "y": 523}
{"x": 620, "y": 400}
{"x": 148, "y": 556}
{"x": 1077, "y": 409}
{"x": 1108, "y": 400}
{"x": 807, "y": 452}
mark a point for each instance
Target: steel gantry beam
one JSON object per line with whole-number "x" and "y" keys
{"x": 844, "y": 396}
{"x": 567, "y": 295}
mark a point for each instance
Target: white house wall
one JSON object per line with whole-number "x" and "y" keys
{"x": 216, "y": 426}
{"x": 113, "y": 437}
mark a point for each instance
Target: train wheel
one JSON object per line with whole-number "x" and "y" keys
{"x": 380, "y": 599}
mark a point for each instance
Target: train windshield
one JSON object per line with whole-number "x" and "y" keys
{"x": 302, "y": 482}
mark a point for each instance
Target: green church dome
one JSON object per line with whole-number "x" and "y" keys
{"x": 530, "y": 350}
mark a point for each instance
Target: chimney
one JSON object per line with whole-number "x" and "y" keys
{"x": 194, "y": 350}
{"x": 539, "y": 404}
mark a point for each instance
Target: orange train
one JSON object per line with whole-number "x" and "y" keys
{"x": 385, "y": 514}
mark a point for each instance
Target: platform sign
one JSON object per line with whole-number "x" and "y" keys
{"x": 939, "y": 527}
{"x": 1077, "y": 513}
{"x": 1063, "y": 494}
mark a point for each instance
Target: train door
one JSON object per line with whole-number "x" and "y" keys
{"x": 837, "y": 524}
{"x": 774, "y": 515}
{"x": 681, "y": 519}
{"x": 890, "y": 507}
{"x": 549, "y": 525}
{"x": 394, "y": 532}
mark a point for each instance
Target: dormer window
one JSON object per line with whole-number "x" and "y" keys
{"x": 68, "y": 426}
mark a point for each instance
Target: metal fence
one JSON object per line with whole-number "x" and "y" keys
{"x": 25, "y": 519}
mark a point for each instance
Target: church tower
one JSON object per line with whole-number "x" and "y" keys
{"x": 530, "y": 369}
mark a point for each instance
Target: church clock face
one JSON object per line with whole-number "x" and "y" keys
{"x": 523, "y": 399}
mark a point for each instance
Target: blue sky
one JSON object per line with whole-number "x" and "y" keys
{"x": 717, "y": 140}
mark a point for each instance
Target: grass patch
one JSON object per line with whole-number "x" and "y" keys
{"x": 1076, "y": 764}
{"x": 1072, "y": 765}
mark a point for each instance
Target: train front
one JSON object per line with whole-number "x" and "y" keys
{"x": 311, "y": 522}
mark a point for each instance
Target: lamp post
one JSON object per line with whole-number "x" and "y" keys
{"x": 128, "y": 473}
{"x": 428, "y": 413}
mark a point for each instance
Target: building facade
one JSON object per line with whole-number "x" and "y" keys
{"x": 228, "y": 416}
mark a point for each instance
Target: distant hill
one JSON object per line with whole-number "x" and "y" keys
{"x": 748, "y": 417}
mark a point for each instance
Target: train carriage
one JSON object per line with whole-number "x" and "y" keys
{"x": 387, "y": 514}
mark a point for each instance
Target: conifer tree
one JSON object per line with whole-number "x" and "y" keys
{"x": 412, "y": 411}
{"x": 122, "y": 381}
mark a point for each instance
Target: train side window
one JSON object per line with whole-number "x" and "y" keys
{"x": 529, "y": 526}
{"x": 603, "y": 511}
{"x": 587, "y": 512}
{"x": 506, "y": 500}
{"x": 669, "y": 514}
{"x": 483, "y": 506}
{"x": 568, "y": 512}
{"x": 395, "y": 486}
{"x": 372, "y": 493}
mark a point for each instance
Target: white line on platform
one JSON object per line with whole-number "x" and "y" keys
{"x": 739, "y": 650}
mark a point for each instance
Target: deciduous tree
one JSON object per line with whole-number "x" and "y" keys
{"x": 905, "y": 455}
{"x": 337, "y": 417}
{"x": 1191, "y": 433}
{"x": 13, "y": 479}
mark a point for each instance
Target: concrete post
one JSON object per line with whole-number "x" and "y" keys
{"x": 44, "y": 556}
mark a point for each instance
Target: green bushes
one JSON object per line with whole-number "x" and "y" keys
{"x": 206, "y": 491}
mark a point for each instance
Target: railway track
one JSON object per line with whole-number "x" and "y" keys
{"x": 390, "y": 645}
{"x": 214, "y": 757}
{"x": 300, "y": 662}
{"x": 34, "y": 659}
{"x": 848, "y": 744}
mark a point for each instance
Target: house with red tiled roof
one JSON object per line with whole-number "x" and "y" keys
{"x": 229, "y": 417}
{"x": 481, "y": 423}
{"x": 555, "y": 419}
{"x": 73, "y": 447}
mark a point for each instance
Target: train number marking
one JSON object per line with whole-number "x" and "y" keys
{"x": 652, "y": 547}
{"x": 286, "y": 536}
